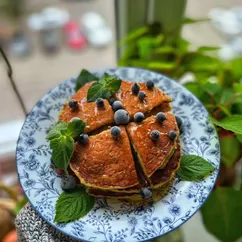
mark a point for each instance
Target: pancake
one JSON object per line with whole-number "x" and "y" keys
{"x": 153, "y": 155}
{"x": 105, "y": 162}
{"x": 89, "y": 112}
{"x": 162, "y": 176}
{"x": 132, "y": 104}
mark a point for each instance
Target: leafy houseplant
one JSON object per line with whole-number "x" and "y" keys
{"x": 218, "y": 86}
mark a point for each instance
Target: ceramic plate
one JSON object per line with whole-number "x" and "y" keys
{"x": 110, "y": 221}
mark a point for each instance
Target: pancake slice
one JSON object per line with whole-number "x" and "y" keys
{"x": 89, "y": 112}
{"x": 105, "y": 162}
{"x": 162, "y": 176}
{"x": 152, "y": 154}
{"x": 132, "y": 104}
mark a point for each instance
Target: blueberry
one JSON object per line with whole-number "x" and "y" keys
{"x": 139, "y": 117}
{"x": 161, "y": 117}
{"x": 172, "y": 134}
{"x": 111, "y": 101}
{"x": 117, "y": 105}
{"x": 179, "y": 121}
{"x": 68, "y": 182}
{"x": 155, "y": 134}
{"x": 100, "y": 102}
{"x": 83, "y": 139}
{"x": 150, "y": 85}
{"x": 73, "y": 104}
{"x": 135, "y": 88}
{"x": 75, "y": 119}
{"x": 141, "y": 96}
{"x": 115, "y": 131}
{"x": 121, "y": 117}
{"x": 146, "y": 193}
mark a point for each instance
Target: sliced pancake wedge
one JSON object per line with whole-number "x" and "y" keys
{"x": 89, "y": 112}
{"x": 131, "y": 102}
{"x": 105, "y": 162}
{"x": 162, "y": 176}
{"x": 153, "y": 155}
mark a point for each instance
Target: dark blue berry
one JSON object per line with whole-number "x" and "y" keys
{"x": 150, "y": 85}
{"x": 111, "y": 101}
{"x": 117, "y": 105}
{"x": 121, "y": 117}
{"x": 139, "y": 117}
{"x": 172, "y": 134}
{"x": 135, "y": 88}
{"x": 178, "y": 121}
{"x": 83, "y": 139}
{"x": 146, "y": 193}
{"x": 75, "y": 119}
{"x": 73, "y": 104}
{"x": 100, "y": 102}
{"x": 141, "y": 96}
{"x": 161, "y": 117}
{"x": 68, "y": 182}
{"x": 155, "y": 134}
{"x": 115, "y": 131}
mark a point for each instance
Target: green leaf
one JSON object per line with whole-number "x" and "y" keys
{"x": 237, "y": 87}
{"x": 195, "y": 88}
{"x": 134, "y": 35}
{"x": 182, "y": 45}
{"x": 112, "y": 83}
{"x": 230, "y": 150}
{"x": 164, "y": 50}
{"x": 202, "y": 49}
{"x": 193, "y": 21}
{"x": 194, "y": 168}
{"x": 76, "y": 127}
{"x": 225, "y": 109}
{"x": 199, "y": 62}
{"x": 83, "y": 78}
{"x": 212, "y": 88}
{"x": 239, "y": 137}
{"x": 73, "y": 205}
{"x": 62, "y": 150}
{"x": 235, "y": 66}
{"x": 222, "y": 213}
{"x": 232, "y": 123}
{"x": 224, "y": 96}
{"x": 55, "y": 132}
{"x": 19, "y": 205}
{"x": 97, "y": 90}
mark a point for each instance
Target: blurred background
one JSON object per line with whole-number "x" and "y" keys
{"x": 47, "y": 42}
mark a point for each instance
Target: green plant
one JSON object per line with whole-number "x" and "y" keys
{"x": 218, "y": 85}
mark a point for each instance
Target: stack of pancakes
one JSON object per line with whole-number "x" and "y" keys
{"x": 120, "y": 168}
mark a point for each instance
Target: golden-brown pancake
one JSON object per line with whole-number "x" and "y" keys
{"x": 89, "y": 112}
{"x": 105, "y": 162}
{"x": 132, "y": 104}
{"x": 152, "y": 154}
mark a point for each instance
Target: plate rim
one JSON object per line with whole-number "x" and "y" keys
{"x": 102, "y": 70}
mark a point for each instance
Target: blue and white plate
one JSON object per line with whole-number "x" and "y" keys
{"x": 111, "y": 221}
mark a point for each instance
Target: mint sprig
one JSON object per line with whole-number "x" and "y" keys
{"x": 105, "y": 87}
{"x": 73, "y": 205}
{"x": 62, "y": 142}
{"x": 194, "y": 168}
{"x": 83, "y": 78}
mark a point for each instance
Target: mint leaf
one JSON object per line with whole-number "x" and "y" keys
{"x": 62, "y": 150}
{"x": 193, "y": 21}
{"x": 55, "y": 132}
{"x": 73, "y": 205}
{"x": 232, "y": 123}
{"x": 112, "y": 83}
{"x": 97, "y": 90}
{"x": 194, "y": 168}
{"x": 239, "y": 137}
{"x": 104, "y": 88}
{"x": 76, "y": 127}
{"x": 83, "y": 78}
{"x": 237, "y": 87}
{"x": 221, "y": 213}
{"x": 202, "y": 49}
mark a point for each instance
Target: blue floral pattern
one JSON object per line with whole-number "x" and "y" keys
{"x": 110, "y": 221}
